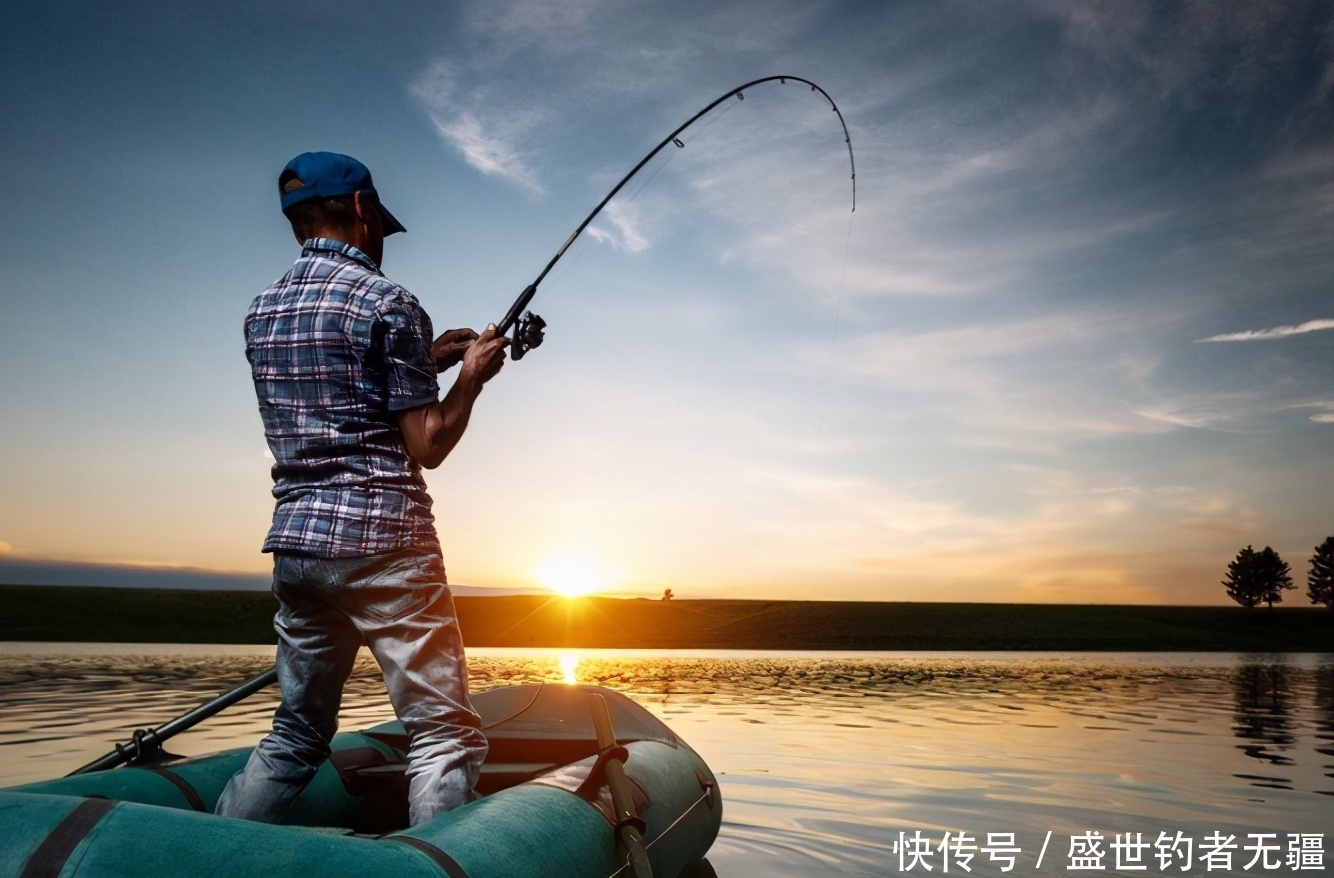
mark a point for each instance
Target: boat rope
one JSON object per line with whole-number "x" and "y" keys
{"x": 512, "y": 316}
{"x": 520, "y": 711}
{"x": 704, "y": 797}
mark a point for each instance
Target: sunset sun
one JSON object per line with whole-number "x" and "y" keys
{"x": 570, "y": 575}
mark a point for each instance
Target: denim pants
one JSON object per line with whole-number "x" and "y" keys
{"x": 398, "y": 604}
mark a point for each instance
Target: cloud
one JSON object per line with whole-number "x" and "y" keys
{"x": 1028, "y": 385}
{"x": 492, "y": 144}
{"x": 601, "y": 92}
{"x": 1200, "y": 411}
{"x": 1270, "y": 334}
{"x": 1324, "y": 410}
{"x": 945, "y": 199}
{"x": 626, "y": 232}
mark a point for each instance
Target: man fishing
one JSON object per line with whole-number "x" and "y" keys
{"x": 345, "y": 374}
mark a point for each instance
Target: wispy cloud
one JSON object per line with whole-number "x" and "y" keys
{"x": 1029, "y": 385}
{"x": 492, "y": 146}
{"x": 1205, "y": 411}
{"x": 1324, "y": 413}
{"x": 626, "y": 231}
{"x": 1271, "y": 334}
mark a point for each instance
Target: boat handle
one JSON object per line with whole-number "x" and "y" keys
{"x": 629, "y": 828}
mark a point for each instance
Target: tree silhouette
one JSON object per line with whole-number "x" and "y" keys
{"x": 1275, "y": 577}
{"x": 667, "y": 594}
{"x": 1243, "y": 579}
{"x": 1254, "y": 576}
{"x": 1320, "y": 581}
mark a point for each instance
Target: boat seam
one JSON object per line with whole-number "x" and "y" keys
{"x": 50, "y": 857}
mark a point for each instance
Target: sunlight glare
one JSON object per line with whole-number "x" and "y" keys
{"x": 569, "y": 663}
{"x": 572, "y": 576}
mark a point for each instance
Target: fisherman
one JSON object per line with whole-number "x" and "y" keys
{"x": 345, "y": 372}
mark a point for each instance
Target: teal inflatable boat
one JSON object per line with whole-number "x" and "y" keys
{"x": 580, "y": 781}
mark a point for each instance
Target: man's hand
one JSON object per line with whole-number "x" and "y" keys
{"x": 448, "y": 349}
{"x": 483, "y": 358}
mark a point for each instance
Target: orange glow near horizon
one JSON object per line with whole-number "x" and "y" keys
{"x": 570, "y": 576}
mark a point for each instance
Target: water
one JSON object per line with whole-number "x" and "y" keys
{"x": 824, "y": 759}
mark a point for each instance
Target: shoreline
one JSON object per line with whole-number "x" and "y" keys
{"x": 98, "y": 651}
{"x": 159, "y": 616}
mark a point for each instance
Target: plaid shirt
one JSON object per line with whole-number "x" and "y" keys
{"x": 336, "y": 350}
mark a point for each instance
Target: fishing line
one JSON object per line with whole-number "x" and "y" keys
{"x": 529, "y": 332}
{"x": 574, "y": 260}
{"x": 651, "y": 177}
{"x": 833, "y": 336}
{"x": 681, "y": 145}
{"x": 584, "y": 245}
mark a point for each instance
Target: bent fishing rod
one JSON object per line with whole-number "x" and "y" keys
{"x": 529, "y": 331}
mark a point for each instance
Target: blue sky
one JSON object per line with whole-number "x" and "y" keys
{"x": 1074, "y": 344}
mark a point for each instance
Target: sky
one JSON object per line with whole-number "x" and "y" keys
{"x": 1075, "y": 344}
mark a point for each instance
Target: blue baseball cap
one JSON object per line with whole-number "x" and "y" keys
{"x": 329, "y": 175}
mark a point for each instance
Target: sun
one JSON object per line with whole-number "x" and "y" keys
{"x": 570, "y": 575}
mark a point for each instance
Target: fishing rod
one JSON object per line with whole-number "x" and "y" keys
{"x": 529, "y": 331}
{"x": 143, "y": 746}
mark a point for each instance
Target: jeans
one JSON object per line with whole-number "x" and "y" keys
{"x": 399, "y": 605}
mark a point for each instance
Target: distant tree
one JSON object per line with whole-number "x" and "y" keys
{"x": 1243, "y": 578}
{"x": 1275, "y": 577}
{"x": 1254, "y": 577}
{"x": 667, "y": 594}
{"x": 1320, "y": 581}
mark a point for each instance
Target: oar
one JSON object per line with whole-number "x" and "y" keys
{"x": 629, "y": 826}
{"x": 144, "y": 742}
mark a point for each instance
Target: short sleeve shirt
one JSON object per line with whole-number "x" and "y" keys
{"x": 336, "y": 351}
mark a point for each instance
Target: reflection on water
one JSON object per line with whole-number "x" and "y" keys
{"x": 824, "y": 759}
{"x": 1324, "y": 718}
{"x": 1263, "y": 715}
{"x": 569, "y": 668}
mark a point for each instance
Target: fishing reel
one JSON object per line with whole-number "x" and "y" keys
{"x": 527, "y": 335}
{"x": 528, "y": 332}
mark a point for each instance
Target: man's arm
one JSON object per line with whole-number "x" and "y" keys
{"x": 430, "y": 432}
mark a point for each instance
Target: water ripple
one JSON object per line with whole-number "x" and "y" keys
{"x": 822, "y": 760}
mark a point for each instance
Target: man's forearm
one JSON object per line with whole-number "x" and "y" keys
{"x": 432, "y": 431}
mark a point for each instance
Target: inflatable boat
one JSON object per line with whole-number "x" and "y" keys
{"x": 580, "y": 781}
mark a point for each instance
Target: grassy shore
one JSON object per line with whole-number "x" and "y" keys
{"x": 109, "y": 615}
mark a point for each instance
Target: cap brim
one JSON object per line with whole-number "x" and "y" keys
{"x": 391, "y": 224}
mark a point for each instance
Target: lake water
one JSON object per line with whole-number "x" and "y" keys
{"x": 824, "y": 759}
